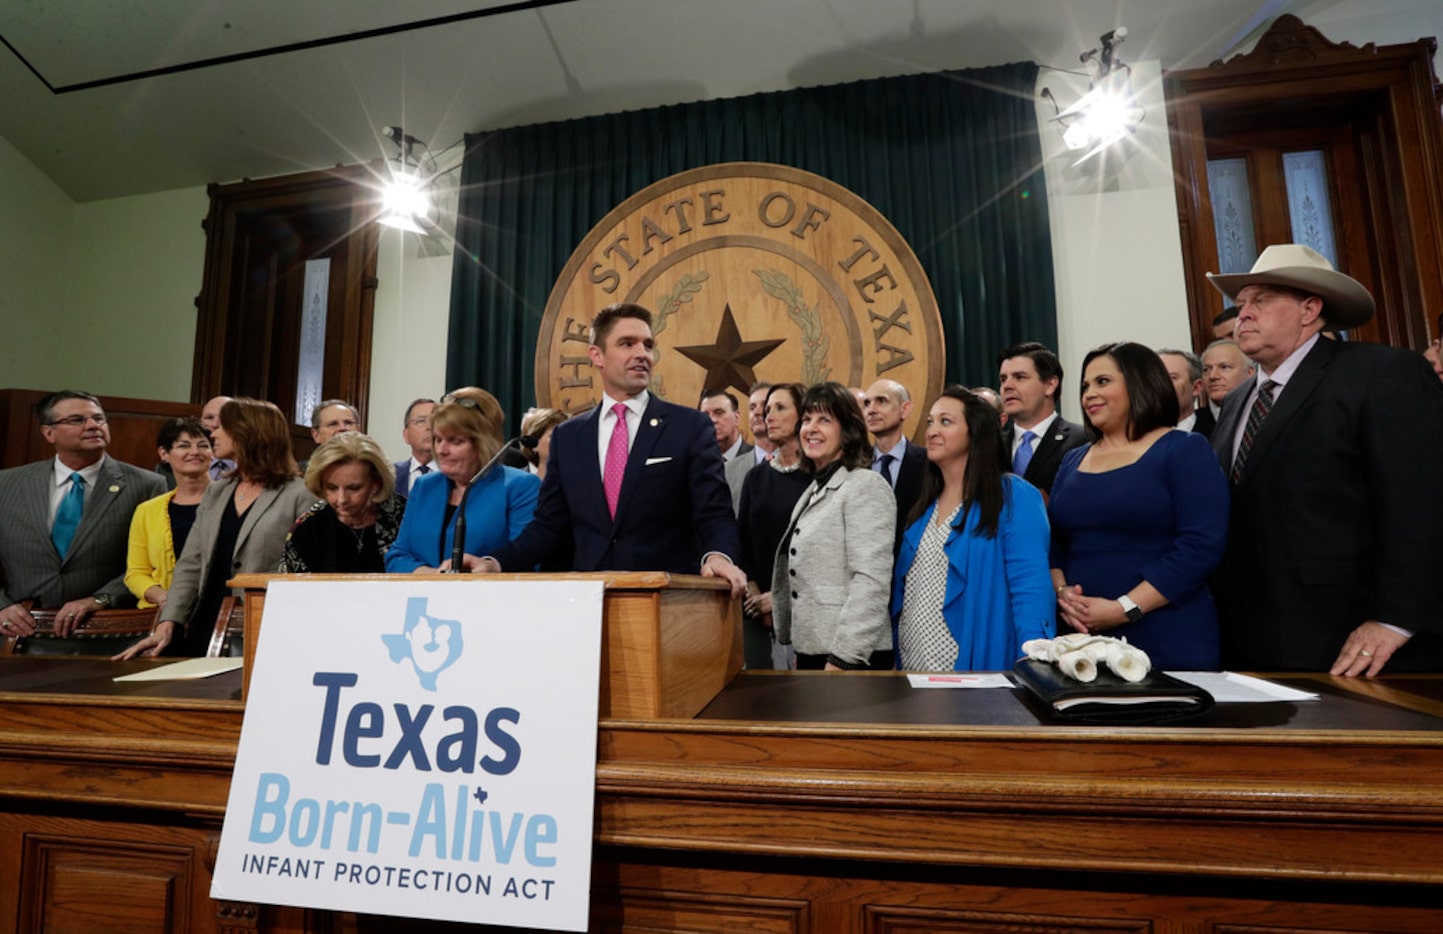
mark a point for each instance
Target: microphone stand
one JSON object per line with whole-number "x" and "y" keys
{"x": 458, "y": 542}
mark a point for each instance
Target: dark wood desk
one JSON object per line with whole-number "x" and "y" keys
{"x": 856, "y": 805}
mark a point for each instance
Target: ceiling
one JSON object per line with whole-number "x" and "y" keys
{"x": 112, "y": 98}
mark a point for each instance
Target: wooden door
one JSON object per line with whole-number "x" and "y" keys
{"x": 260, "y": 236}
{"x": 1373, "y": 112}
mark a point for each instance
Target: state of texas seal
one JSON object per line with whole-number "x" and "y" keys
{"x": 752, "y": 272}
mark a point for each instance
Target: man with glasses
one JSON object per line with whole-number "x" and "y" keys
{"x": 416, "y": 432}
{"x": 67, "y": 518}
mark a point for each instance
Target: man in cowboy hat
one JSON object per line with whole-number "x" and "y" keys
{"x": 1333, "y": 449}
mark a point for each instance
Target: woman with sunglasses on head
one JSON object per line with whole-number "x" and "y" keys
{"x": 833, "y": 567}
{"x": 972, "y": 581}
{"x": 466, "y": 432}
{"x": 160, "y": 526}
{"x": 240, "y": 527}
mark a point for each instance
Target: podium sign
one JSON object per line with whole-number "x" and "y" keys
{"x": 420, "y": 748}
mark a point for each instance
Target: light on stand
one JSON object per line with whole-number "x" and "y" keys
{"x": 406, "y": 195}
{"x": 406, "y": 202}
{"x": 1109, "y": 111}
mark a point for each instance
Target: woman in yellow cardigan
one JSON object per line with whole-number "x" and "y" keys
{"x": 159, "y": 528}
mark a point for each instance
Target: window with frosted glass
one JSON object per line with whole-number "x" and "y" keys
{"x": 1309, "y": 207}
{"x": 311, "y": 366}
{"x": 1232, "y": 214}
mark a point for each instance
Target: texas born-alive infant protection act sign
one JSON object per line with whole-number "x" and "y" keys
{"x": 420, "y": 748}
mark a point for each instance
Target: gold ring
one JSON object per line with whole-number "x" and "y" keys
{"x": 1365, "y": 653}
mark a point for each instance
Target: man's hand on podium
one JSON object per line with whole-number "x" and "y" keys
{"x": 719, "y": 565}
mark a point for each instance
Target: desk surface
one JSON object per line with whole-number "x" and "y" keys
{"x": 1398, "y": 704}
{"x": 24, "y": 677}
{"x": 1408, "y": 704}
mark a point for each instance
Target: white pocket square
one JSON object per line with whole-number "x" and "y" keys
{"x": 656, "y": 460}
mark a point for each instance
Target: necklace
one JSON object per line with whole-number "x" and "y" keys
{"x": 245, "y": 492}
{"x": 359, "y": 535}
{"x": 779, "y": 467}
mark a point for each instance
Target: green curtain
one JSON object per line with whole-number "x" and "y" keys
{"x": 952, "y": 159}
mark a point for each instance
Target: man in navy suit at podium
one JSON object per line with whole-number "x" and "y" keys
{"x": 636, "y": 484}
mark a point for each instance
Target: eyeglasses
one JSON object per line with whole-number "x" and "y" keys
{"x": 75, "y": 421}
{"x": 420, "y": 420}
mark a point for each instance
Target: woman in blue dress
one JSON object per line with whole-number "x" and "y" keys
{"x": 971, "y": 583}
{"x": 1139, "y": 516}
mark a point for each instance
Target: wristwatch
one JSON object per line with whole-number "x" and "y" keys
{"x": 1133, "y": 611}
{"x": 103, "y": 599}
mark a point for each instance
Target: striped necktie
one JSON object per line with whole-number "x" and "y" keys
{"x": 1262, "y": 405}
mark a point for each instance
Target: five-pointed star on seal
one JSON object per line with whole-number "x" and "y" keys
{"x": 729, "y": 362}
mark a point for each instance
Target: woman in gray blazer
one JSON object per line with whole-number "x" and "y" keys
{"x": 833, "y": 571}
{"x": 240, "y": 527}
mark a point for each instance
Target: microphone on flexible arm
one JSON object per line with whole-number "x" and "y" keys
{"x": 458, "y": 542}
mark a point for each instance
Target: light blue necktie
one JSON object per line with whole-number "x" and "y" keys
{"x": 67, "y": 517}
{"x": 1023, "y": 457}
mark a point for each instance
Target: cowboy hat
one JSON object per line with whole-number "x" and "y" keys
{"x": 1346, "y": 303}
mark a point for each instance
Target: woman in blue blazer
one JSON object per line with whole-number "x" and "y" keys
{"x": 972, "y": 581}
{"x": 466, "y": 428}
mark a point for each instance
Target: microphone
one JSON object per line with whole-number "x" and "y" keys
{"x": 458, "y": 542}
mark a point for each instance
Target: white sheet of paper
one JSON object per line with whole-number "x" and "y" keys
{"x": 991, "y": 679}
{"x": 189, "y": 669}
{"x": 1229, "y": 687}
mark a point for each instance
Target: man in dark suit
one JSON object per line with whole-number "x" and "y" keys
{"x": 1031, "y": 379}
{"x": 1184, "y": 368}
{"x": 726, "y": 418}
{"x": 67, "y": 520}
{"x": 1333, "y": 449}
{"x": 416, "y": 432}
{"x": 636, "y": 484}
{"x": 887, "y": 407}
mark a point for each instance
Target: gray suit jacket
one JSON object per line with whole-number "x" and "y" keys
{"x": 736, "y": 471}
{"x": 833, "y": 573}
{"x": 258, "y": 548}
{"x": 96, "y": 561}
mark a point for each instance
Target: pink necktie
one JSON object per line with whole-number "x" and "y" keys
{"x": 615, "y": 459}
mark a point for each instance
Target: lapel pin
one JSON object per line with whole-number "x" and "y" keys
{"x": 655, "y": 422}
{"x": 114, "y": 488}
{"x": 1057, "y": 437}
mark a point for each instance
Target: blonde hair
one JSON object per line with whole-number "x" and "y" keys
{"x": 536, "y": 423}
{"x": 351, "y": 447}
{"x": 475, "y": 415}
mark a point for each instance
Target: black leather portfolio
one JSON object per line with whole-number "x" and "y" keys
{"x": 1157, "y": 698}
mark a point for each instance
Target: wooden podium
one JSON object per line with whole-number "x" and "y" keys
{"x": 669, "y": 642}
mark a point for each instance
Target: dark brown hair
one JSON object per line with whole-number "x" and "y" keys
{"x": 1151, "y": 398}
{"x": 837, "y": 400}
{"x": 607, "y": 317}
{"x": 986, "y": 463}
{"x": 173, "y": 428}
{"x": 797, "y": 391}
{"x": 262, "y": 440}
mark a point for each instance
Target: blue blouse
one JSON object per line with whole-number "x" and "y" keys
{"x": 500, "y": 506}
{"x": 999, "y": 590}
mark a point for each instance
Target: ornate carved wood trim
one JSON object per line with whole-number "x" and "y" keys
{"x": 1385, "y": 99}
{"x": 1289, "y": 42}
